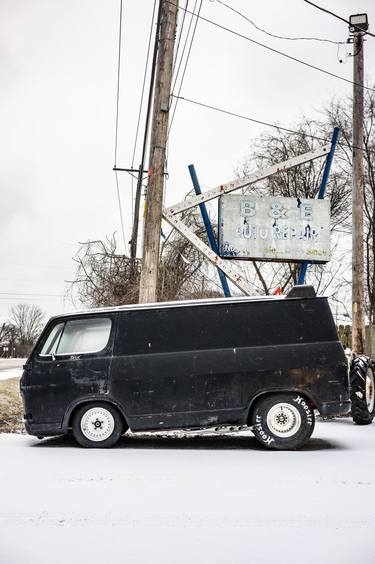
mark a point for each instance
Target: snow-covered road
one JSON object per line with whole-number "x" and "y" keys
{"x": 211, "y": 501}
{"x": 11, "y": 367}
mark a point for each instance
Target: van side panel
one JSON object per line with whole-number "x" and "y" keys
{"x": 203, "y": 365}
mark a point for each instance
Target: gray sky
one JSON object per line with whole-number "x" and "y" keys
{"x": 58, "y": 63}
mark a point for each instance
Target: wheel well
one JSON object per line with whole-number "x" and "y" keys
{"x": 262, "y": 395}
{"x": 87, "y": 402}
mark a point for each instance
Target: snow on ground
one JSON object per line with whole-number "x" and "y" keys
{"x": 196, "y": 500}
{"x": 11, "y": 367}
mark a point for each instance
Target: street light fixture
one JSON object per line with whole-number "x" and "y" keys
{"x": 358, "y": 22}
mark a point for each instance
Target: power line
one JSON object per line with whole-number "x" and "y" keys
{"x": 117, "y": 120}
{"x": 137, "y": 200}
{"x": 120, "y": 210}
{"x": 180, "y": 36}
{"x": 339, "y": 18}
{"x": 30, "y": 294}
{"x": 118, "y": 83}
{"x": 236, "y": 33}
{"x": 34, "y": 265}
{"x": 247, "y": 118}
{"x": 26, "y": 297}
{"x": 278, "y": 36}
{"x": 143, "y": 84}
{"x": 186, "y": 63}
{"x": 267, "y": 124}
{"x": 176, "y": 74}
{"x": 140, "y": 107}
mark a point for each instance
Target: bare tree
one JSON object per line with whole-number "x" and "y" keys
{"x": 302, "y": 181}
{"x": 105, "y": 277}
{"x": 28, "y": 321}
{"x": 339, "y": 112}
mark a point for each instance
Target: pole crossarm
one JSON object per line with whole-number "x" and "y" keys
{"x": 242, "y": 182}
{"x": 230, "y": 272}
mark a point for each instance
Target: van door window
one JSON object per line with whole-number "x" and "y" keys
{"x": 84, "y": 336}
{"x": 50, "y": 345}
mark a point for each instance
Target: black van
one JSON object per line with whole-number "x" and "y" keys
{"x": 265, "y": 362}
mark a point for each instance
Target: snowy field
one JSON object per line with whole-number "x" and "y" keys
{"x": 11, "y": 367}
{"x": 196, "y": 500}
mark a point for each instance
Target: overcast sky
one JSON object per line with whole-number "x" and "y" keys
{"x": 58, "y": 98}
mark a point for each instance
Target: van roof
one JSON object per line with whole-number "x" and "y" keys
{"x": 297, "y": 292}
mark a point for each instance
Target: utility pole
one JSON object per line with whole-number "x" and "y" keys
{"x": 159, "y": 136}
{"x": 358, "y": 318}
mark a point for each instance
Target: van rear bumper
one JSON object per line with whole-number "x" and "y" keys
{"x": 334, "y": 408}
{"x": 43, "y": 429}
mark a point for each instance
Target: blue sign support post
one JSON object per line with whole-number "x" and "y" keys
{"x": 321, "y": 193}
{"x": 210, "y": 231}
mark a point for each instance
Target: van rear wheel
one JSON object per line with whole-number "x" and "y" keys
{"x": 97, "y": 425}
{"x": 282, "y": 421}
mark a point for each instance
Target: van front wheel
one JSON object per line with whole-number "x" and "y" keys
{"x": 282, "y": 421}
{"x": 97, "y": 425}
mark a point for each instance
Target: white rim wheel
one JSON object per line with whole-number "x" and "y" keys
{"x": 97, "y": 424}
{"x": 370, "y": 390}
{"x": 284, "y": 420}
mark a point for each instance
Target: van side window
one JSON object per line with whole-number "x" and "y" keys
{"x": 84, "y": 335}
{"x": 52, "y": 340}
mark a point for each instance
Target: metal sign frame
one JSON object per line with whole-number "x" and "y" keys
{"x": 170, "y": 214}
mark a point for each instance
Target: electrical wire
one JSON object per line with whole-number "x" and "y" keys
{"x": 272, "y": 34}
{"x": 174, "y": 79}
{"x": 26, "y": 297}
{"x": 179, "y": 37}
{"x": 186, "y": 64}
{"x": 176, "y": 76}
{"x": 140, "y": 107}
{"x": 184, "y": 47}
{"x": 118, "y": 84}
{"x": 267, "y": 124}
{"x": 30, "y": 294}
{"x": 242, "y": 36}
{"x": 117, "y": 120}
{"x": 143, "y": 84}
{"x": 339, "y": 18}
{"x": 35, "y": 265}
{"x": 120, "y": 210}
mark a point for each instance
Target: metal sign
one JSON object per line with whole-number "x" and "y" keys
{"x": 170, "y": 214}
{"x": 274, "y": 228}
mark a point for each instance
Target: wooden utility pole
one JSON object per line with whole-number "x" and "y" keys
{"x": 159, "y": 135}
{"x": 358, "y": 325}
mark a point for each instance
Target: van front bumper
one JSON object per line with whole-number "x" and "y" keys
{"x": 335, "y": 408}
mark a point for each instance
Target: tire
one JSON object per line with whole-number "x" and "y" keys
{"x": 282, "y": 421}
{"x": 97, "y": 425}
{"x": 362, "y": 390}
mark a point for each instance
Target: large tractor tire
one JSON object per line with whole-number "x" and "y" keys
{"x": 362, "y": 390}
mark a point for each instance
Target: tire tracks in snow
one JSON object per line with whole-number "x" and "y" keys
{"x": 74, "y": 519}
